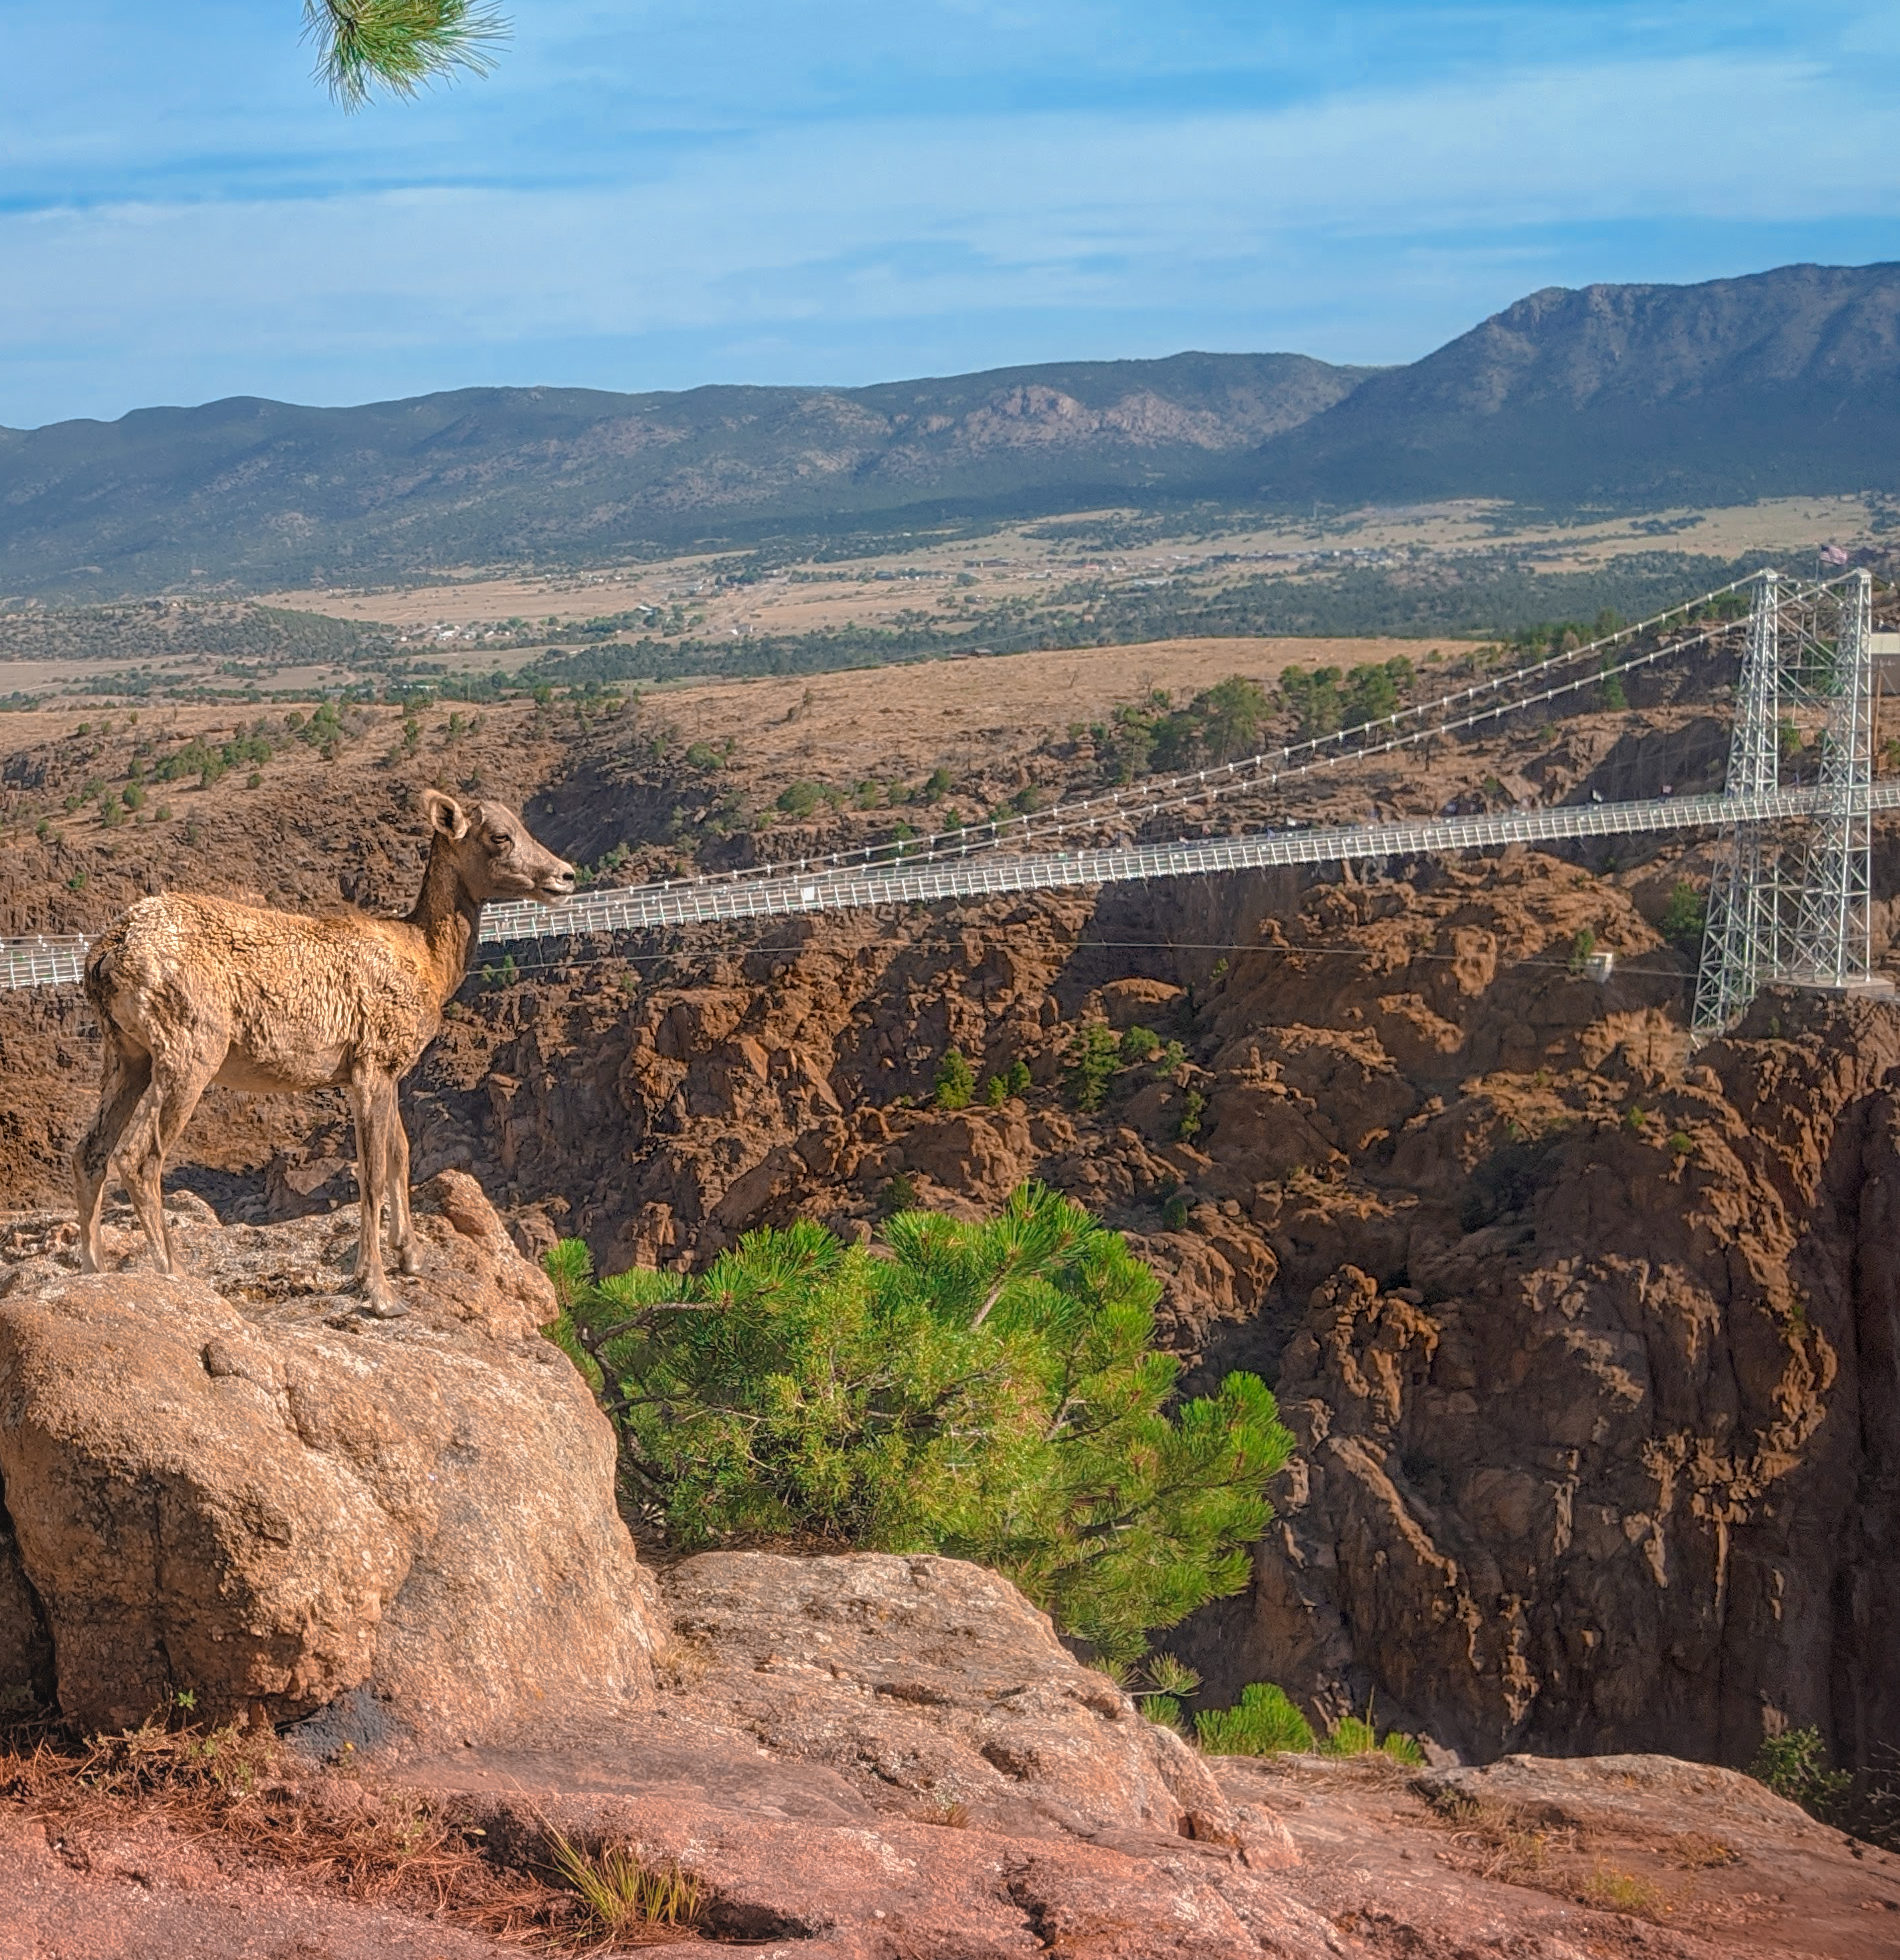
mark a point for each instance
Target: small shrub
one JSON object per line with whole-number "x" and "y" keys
{"x": 1174, "y": 1212}
{"x": 797, "y": 799}
{"x": 1017, "y": 1078}
{"x": 955, "y": 1082}
{"x": 996, "y": 1092}
{"x": 1350, "y": 1736}
{"x": 1794, "y": 1765}
{"x": 1581, "y": 948}
{"x": 1681, "y": 1144}
{"x": 1170, "y": 1058}
{"x": 1139, "y": 1045}
{"x": 1610, "y": 1890}
{"x": 1263, "y": 1723}
{"x": 1684, "y": 917}
{"x": 1404, "y": 1749}
{"x": 1193, "y": 1108}
{"x": 900, "y": 1194}
{"x": 1092, "y": 1060}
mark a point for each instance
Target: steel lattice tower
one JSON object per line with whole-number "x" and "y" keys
{"x": 1741, "y": 942}
{"x": 1833, "y": 928}
{"x": 1751, "y": 939}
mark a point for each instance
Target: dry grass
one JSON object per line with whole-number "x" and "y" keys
{"x": 1497, "y": 1842}
{"x": 1508, "y": 1846}
{"x": 238, "y": 1792}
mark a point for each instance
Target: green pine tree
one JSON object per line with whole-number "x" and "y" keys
{"x": 990, "y": 1391}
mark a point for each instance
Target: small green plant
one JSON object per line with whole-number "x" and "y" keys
{"x": 900, "y": 1194}
{"x": 1016, "y": 1078}
{"x": 1193, "y": 1108}
{"x": 1404, "y": 1749}
{"x": 77, "y": 882}
{"x": 996, "y": 1092}
{"x": 1170, "y": 1058}
{"x": 1681, "y": 1144}
{"x": 1634, "y": 1118}
{"x": 133, "y": 796}
{"x": 798, "y": 800}
{"x": 1794, "y": 1765}
{"x": 1139, "y": 1045}
{"x": 1263, "y": 1723}
{"x": 1612, "y": 694}
{"x": 955, "y": 1081}
{"x": 1684, "y": 917}
{"x": 1168, "y": 1683}
{"x": 621, "y": 1893}
{"x": 1092, "y": 1060}
{"x": 1581, "y": 947}
{"x": 1350, "y": 1736}
{"x": 1174, "y": 1212}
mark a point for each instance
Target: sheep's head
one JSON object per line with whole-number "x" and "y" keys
{"x": 493, "y": 852}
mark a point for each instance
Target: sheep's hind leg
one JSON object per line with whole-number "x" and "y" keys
{"x": 126, "y": 1076}
{"x": 402, "y": 1230}
{"x": 373, "y": 1104}
{"x": 177, "y": 1083}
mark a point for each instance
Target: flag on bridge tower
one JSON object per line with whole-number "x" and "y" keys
{"x": 1833, "y": 554}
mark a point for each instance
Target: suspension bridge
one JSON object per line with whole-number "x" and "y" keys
{"x": 1790, "y": 902}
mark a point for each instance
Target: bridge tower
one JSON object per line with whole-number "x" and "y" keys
{"x": 1816, "y": 930}
{"x": 1741, "y": 939}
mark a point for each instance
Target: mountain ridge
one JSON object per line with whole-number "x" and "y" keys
{"x": 1772, "y": 383}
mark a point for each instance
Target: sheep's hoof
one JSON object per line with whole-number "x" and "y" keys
{"x": 384, "y": 1306}
{"x": 409, "y": 1261}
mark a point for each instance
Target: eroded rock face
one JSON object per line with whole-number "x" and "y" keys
{"x": 231, "y": 1486}
{"x": 938, "y": 1679}
{"x": 1602, "y": 1474}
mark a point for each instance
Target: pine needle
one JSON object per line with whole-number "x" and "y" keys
{"x": 400, "y": 45}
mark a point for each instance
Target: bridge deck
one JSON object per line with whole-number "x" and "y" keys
{"x": 43, "y": 962}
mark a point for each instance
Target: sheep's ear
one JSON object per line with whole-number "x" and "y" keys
{"x": 445, "y": 815}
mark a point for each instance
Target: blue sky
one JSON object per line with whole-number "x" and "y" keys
{"x": 653, "y": 196}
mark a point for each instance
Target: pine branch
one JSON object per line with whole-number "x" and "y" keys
{"x": 400, "y": 45}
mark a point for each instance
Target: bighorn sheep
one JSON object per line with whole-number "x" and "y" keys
{"x": 192, "y": 991}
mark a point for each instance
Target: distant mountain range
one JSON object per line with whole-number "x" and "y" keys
{"x": 1782, "y": 382}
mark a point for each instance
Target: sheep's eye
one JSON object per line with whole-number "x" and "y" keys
{"x": 500, "y": 847}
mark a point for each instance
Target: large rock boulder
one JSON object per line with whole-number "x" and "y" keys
{"x": 230, "y": 1487}
{"x": 937, "y": 1682}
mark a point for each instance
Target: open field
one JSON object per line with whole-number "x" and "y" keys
{"x": 804, "y": 594}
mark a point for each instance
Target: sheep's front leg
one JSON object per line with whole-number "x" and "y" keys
{"x": 402, "y": 1231}
{"x": 371, "y": 1103}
